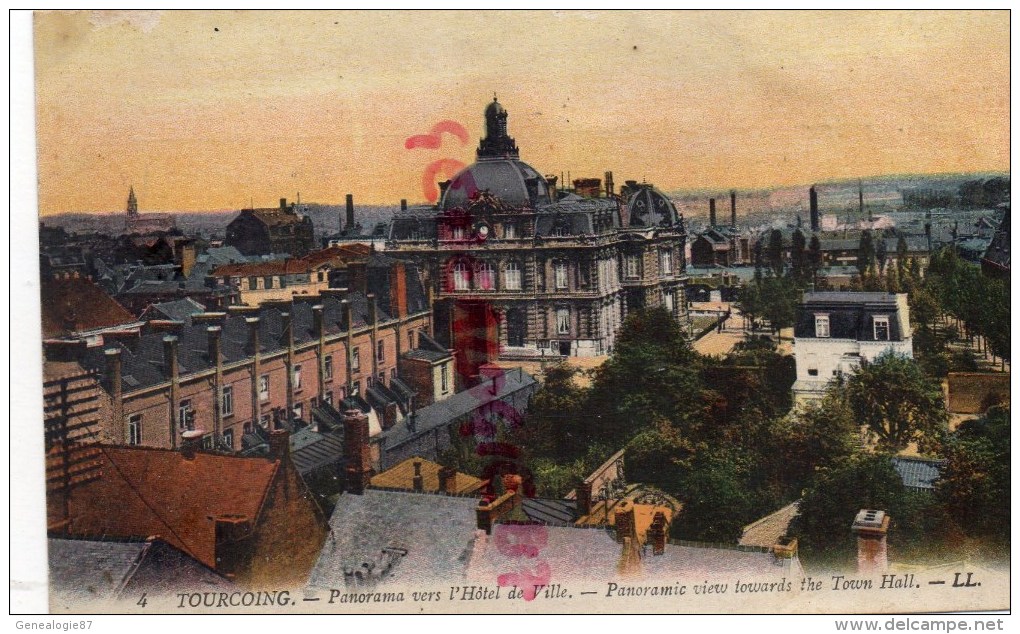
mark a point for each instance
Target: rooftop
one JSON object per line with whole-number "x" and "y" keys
{"x": 401, "y": 476}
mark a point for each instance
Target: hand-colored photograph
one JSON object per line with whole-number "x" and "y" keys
{"x": 574, "y": 312}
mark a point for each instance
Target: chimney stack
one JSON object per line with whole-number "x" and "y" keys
{"x": 373, "y": 309}
{"x": 418, "y": 481}
{"x": 398, "y": 290}
{"x": 191, "y": 440}
{"x": 657, "y": 533}
{"x": 283, "y": 204}
{"x": 711, "y": 212}
{"x": 584, "y": 498}
{"x": 813, "y": 193}
{"x": 625, "y": 522}
{"x": 317, "y": 321}
{"x": 170, "y": 355}
{"x": 346, "y": 317}
{"x": 213, "y": 333}
{"x": 871, "y": 528}
{"x": 279, "y": 445}
{"x": 286, "y": 336}
{"x": 359, "y": 456}
{"x": 403, "y": 204}
{"x": 350, "y": 213}
{"x": 443, "y": 186}
{"x": 610, "y": 189}
{"x": 447, "y": 480}
{"x": 733, "y": 208}
{"x": 253, "y": 335}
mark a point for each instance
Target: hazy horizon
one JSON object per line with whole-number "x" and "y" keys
{"x": 212, "y": 110}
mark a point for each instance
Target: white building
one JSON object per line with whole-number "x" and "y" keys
{"x": 835, "y": 331}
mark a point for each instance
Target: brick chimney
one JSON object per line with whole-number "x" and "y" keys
{"x": 317, "y": 321}
{"x": 871, "y": 528}
{"x": 584, "y": 498}
{"x": 253, "y": 335}
{"x": 418, "y": 481}
{"x": 350, "y": 213}
{"x": 359, "y": 456}
{"x": 447, "y": 480}
{"x": 279, "y": 445}
{"x": 711, "y": 212}
{"x": 657, "y": 533}
{"x": 112, "y": 378}
{"x": 213, "y": 333}
{"x": 373, "y": 311}
{"x": 286, "y": 336}
{"x": 813, "y": 194}
{"x": 170, "y": 356}
{"x": 398, "y": 290}
{"x": 625, "y": 522}
{"x": 357, "y": 277}
{"x": 733, "y": 208}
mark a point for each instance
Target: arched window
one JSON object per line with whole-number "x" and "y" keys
{"x": 485, "y": 276}
{"x": 461, "y": 276}
{"x": 512, "y": 276}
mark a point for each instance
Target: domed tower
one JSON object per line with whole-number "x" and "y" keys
{"x": 498, "y": 170}
{"x": 497, "y": 143}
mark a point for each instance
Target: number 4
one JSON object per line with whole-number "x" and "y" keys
{"x": 143, "y": 601}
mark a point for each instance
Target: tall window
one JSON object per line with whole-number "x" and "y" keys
{"x": 264, "y": 388}
{"x": 560, "y": 275}
{"x": 135, "y": 429}
{"x": 297, "y": 377}
{"x": 253, "y": 283}
{"x": 457, "y": 233}
{"x": 822, "y": 326}
{"x": 356, "y": 359}
{"x": 485, "y": 276}
{"x": 327, "y": 397}
{"x": 881, "y": 328}
{"x": 445, "y": 377}
{"x": 665, "y": 262}
{"x": 228, "y": 439}
{"x": 327, "y": 367}
{"x": 667, "y": 300}
{"x": 461, "y": 276}
{"x": 513, "y": 276}
{"x": 509, "y": 231}
{"x": 227, "y": 401}
{"x": 184, "y": 415}
{"x": 380, "y": 350}
{"x": 563, "y": 321}
{"x": 410, "y": 339}
{"x": 632, "y": 264}
{"x": 299, "y": 411}
{"x": 268, "y": 281}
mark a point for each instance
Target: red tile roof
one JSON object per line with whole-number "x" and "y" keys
{"x": 147, "y": 492}
{"x": 77, "y": 304}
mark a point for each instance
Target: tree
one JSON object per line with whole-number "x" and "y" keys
{"x": 892, "y": 280}
{"x": 880, "y": 253}
{"x": 901, "y": 257}
{"x": 865, "y": 252}
{"x": 814, "y": 257}
{"x": 554, "y": 424}
{"x": 974, "y": 485}
{"x": 798, "y": 258}
{"x": 779, "y": 297}
{"x": 717, "y": 500}
{"x": 837, "y": 493}
{"x": 775, "y": 252}
{"x": 897, "y": 403}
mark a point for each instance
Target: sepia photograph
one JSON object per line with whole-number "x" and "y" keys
{"x": 563, "y": 312}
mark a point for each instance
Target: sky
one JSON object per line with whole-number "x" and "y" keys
{"x": 222, "y": 110}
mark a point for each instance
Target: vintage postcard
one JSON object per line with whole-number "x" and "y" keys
{"x": 524, "y": 311}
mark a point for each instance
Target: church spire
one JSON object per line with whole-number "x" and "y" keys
{"x": 132, "y": 204}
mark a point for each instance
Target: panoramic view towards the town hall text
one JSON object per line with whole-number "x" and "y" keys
{"x": 575, "y": 312}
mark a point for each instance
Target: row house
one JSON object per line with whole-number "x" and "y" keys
{"x": 219, "y": 375}
{"x": 259, "y": 282}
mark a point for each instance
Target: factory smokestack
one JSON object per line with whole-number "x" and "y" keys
{"x": 350, "y": 213}
{"x": 711, "y": 212}
{"x": 814, "y": 209}
{"x": 733, "y": 209}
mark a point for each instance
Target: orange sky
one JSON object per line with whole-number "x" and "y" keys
{"x": 272, "y": 104}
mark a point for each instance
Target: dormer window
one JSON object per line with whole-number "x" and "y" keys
{"x": 881, "y": 328}
{"x": 457, "y": 233}
{"x": 510, "y": 231}
{"x": 822, "y": 326}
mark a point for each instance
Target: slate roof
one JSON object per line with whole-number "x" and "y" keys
{"x": 311, "y": 450}
{"x": 917, "y": 473}
{"x": 551, "y": 512}
{"x": 98, "y": 570}
{"x": 177, "y": 310}
{"x": 442, "y": 413}
{"x": 428, "y": 349}
{"x": 76, "y": 304}
{"x": 145, "y": 491}
{"x": 851, "y": 315}
{"x": 143, "y": 362}
{"x": 434, "y": 533}
{"x": 594, "y": 554}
